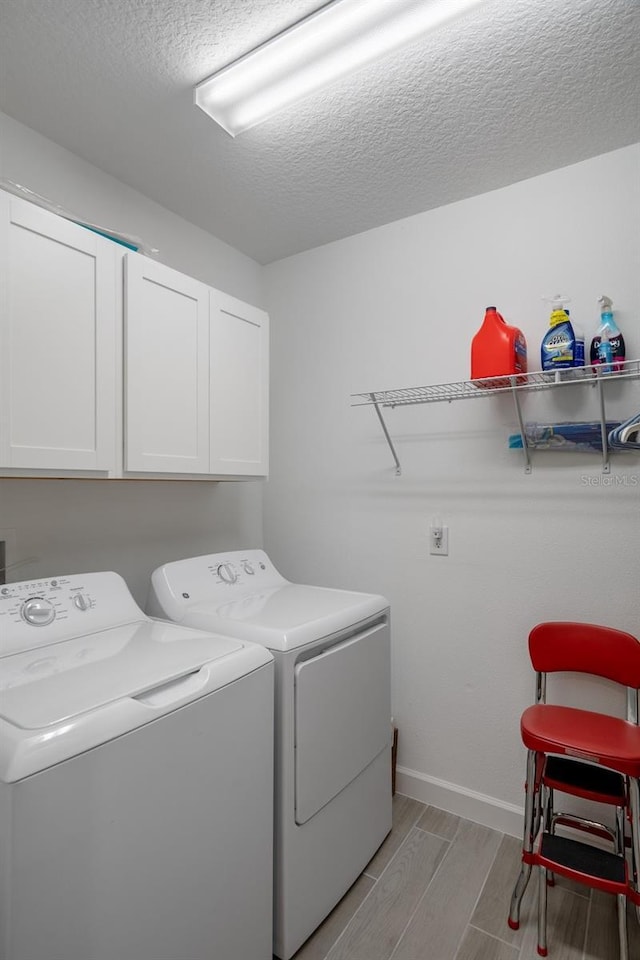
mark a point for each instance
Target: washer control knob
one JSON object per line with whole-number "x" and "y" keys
{"x": 38, "y": 612}
{"x": 226, "y": 573}
{"x": 246, "y": 566}
{"x": 81, "y": 602}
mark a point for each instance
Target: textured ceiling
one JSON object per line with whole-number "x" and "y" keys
{"x": 508, "y": 91}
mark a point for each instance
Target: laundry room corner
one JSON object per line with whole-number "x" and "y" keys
{"x": 397, "y": 307}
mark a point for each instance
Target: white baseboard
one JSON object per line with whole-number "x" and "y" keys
{"x": 489, "y": 811}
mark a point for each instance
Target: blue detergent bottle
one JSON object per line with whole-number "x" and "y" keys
{"x": 559, "y": 349}
{"x": 607, "y": 347}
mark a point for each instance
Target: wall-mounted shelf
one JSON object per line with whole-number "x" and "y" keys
{"x": 492, "y": 386}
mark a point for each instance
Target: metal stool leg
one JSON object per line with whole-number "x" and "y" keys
{"x": 547, "y": 800}
{"x": 531, "y": 820}
{"x": 620, "y": 832}
{"x": 517, "y": 895}
{"x": 545, "y": 877}
{"x": 542, "y": 912}
{"x": 622, "y": 926}
{"x": 547, "y": 806}
{"x": 634, "y": 816}
{"x": 621, "y": 899}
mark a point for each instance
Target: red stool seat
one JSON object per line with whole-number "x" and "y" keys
{"x": 547, "y": 728}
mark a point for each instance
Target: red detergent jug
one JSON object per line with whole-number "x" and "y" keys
{"x": 497, "y": 349}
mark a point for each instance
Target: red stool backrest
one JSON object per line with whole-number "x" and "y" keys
{"x": 586, "y": 648}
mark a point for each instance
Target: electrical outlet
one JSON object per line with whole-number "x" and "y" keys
{"x": 438, "y": 540}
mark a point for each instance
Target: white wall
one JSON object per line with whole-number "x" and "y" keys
{"x": 398, "y": 306}
{"x": 69, "y": 526}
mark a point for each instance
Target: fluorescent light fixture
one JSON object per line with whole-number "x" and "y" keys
{"x": 337, "y": 39}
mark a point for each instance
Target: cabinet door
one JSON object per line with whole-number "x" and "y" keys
{"x": 57, "y": 342}
{"x": 239, "y": 387}
{"x": 166, "y": 369}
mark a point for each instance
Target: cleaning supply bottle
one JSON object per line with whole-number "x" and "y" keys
{"x": 605, "y": 353}
{"x": 497, "y": 349}
{"x": 615, "y": 339}
{"x": 559, "y": 349}
{"x": 579, "y": 344}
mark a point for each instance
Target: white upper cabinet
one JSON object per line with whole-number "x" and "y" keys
{"x": 166, "y": 350}
{"x": 239, "y": 387}
{"x": 166, "y": 376}
{"x": 196, "y": 376}
{"x": 57, "y": 342}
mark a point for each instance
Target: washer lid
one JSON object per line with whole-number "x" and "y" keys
{"x": 286, "y": 617}
{"x": 53, "y": 684}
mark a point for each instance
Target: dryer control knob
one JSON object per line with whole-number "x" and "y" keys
{"x": 38, "y": 612}
{"x": 226, "y": 573}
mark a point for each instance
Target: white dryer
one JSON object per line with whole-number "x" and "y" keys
{"x": 135, "y": 781}
{"x": 333, "y": 718}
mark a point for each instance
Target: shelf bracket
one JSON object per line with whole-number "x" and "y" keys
{"x": 386, "y": 434}
{"x": 606, "y": 466}
{"x": 525, "y": 447}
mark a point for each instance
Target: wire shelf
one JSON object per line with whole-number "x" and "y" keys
{"x": 491, "y": 386}
{"x": 515, "y": 384}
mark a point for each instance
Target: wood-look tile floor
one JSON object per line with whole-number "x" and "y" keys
{"x": 439, "y": 889}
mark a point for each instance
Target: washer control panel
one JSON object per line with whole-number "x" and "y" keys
{"x": 40, "y": 612}
{"x": 37, "y": 611}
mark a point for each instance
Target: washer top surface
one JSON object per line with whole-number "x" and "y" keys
{"x": 43, "y": 687}
{"x": 81, "y": 663}
{"x": 242, "y": 594}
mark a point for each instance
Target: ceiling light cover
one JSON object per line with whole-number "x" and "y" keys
{"x": 337, "y": 39}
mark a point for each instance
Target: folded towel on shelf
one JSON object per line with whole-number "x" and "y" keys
{"x": 582, "y": 437}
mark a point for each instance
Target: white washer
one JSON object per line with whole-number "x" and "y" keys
{"x": 135, "y": 781}
{"x": 333, "y": 718}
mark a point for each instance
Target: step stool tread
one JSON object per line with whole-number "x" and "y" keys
{"x": 585, "y": 776}
{"x": 583, "y": 858}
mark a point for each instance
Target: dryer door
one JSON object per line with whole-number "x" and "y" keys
{"x": 342, "y": 715}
